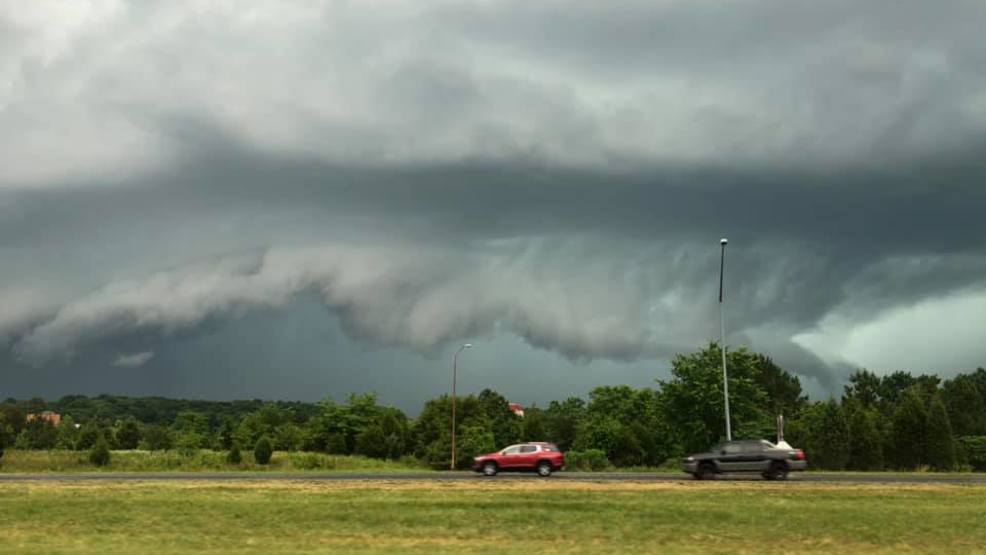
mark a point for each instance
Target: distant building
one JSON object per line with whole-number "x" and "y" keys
{"x": 52, "y": 417}
{"x": 516, "y": 408}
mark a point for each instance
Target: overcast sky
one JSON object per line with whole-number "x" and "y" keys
{"x": 289, "y": 200}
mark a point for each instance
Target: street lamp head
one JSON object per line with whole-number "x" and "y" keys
{"x": 723, "y": 241}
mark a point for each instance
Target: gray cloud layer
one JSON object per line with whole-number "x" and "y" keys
{"x": 435, "y": 172}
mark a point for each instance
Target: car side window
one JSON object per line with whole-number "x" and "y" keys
{"x": 528, "y": 448}
{"x": 753, "y": 448}
{"x": 731, "y": 449}
{"x": 512, "y": 450}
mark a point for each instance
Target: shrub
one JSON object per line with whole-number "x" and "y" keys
{"x": 588, "y": 460}
{"x": 263, "y": 451}
{"x": 99, "y": 455}
{"x": 372, "y": 443}
{"x": 234, "y": 457}
{"x": 307, "y": 461}
{"x": 128, "y": 434}
{"x": 974, "y": 451}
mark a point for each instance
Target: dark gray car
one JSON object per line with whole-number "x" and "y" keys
{"x": 755, "y": 456}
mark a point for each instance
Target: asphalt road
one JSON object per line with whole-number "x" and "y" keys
{"x": 845, "y": 478}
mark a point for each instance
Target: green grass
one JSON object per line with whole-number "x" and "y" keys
{"x": 15, "y": 461}
{"x": 528, "y": 516}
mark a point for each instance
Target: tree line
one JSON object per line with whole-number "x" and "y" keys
{"x": 897, "y": 421}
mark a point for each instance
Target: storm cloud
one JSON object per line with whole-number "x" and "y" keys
{"x": 550, "y": 179}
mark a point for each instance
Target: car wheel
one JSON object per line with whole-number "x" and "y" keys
{"x": 544, "y": 469}
{"x": 490, "y": 469}
{"x": 706, "y": 472}
{"x": 778, "y": 471}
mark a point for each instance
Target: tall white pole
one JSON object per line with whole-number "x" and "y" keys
{"x": 722, "y": 339}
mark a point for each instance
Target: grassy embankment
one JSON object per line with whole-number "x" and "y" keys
{"x": 15, "y": 461}
{"x": 527, "y": 516}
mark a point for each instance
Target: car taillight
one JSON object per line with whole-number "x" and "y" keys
{"x": 799, "y": 455}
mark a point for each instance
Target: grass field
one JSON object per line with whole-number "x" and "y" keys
{"x": 203, "y": 460}
{"x": 518, "y": 516}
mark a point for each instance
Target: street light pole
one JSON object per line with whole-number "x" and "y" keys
{"x": 455, "y": 364}
{"x": 722, "y": 338}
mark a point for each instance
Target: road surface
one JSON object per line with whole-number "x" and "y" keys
{"x": 845, "y": 478}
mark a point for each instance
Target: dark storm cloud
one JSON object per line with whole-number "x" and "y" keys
{"x": 557, "y": 173}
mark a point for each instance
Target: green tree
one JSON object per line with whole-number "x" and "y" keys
{"x": 191, "y": 430}
{"x": 507, "y": 427}
{"x": 693, "y": 399}
{"x": 966, "y": 405}
{"x": 562, "y": 421}
{"x": 227, "y": 434}
{"x": 263, "y": 451}
{"x": 11, "y": 423}
{"x": 940, "y": 447}
{"x": 910, "y": 431}
{"x": 474, "y": 440}
{"x": 371, "y": 442}
{"x": 99, "y": 454}
{"x": 432, "y": 429}
{"x": 783, "y": 389}
{"x": 533, "y": 426}
{"x": 187, "y": 442}
{"x": 826, "y": 441}
{"x": 336, "y": 444}
{"x": 865, "y": 441}
{"x": 68, "y": 434}
{"x": 88, "y": 435}
{"x": 393, "y": 424}
{"x": 128, "y": 434}
{"x": 41, "y": 434}
{"x": 864, "y": 388}
{"x": 234, "y": 456}
{"x": 157, "y": 438}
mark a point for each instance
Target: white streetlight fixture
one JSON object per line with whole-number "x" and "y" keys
{"x": 722, "y": 337}
{"x": 455, "y": 364}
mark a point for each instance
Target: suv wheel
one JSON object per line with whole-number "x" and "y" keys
{"x": 778, "y": 471}
{"x": 490, "y": 469}
{"x": 706, "y": 472}
{"x": 544, "y": 469}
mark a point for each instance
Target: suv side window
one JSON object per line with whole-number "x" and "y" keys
{"x": 528, "y": 448}
{"x": 732, "y": 449}
{"x": 512, "y": 450}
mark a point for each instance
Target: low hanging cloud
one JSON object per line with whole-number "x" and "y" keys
{"x": 418, "y": 299}
{"x": 134, "y": 360}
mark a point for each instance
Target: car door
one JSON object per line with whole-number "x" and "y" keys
{"x": 528, "y": 456}
{"x": 731, "y": 457}
{"x": 511, "y": 457}
{"x": 754, "y": 458}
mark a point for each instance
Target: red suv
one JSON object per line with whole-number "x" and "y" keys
{"x": 544, "y": 458}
